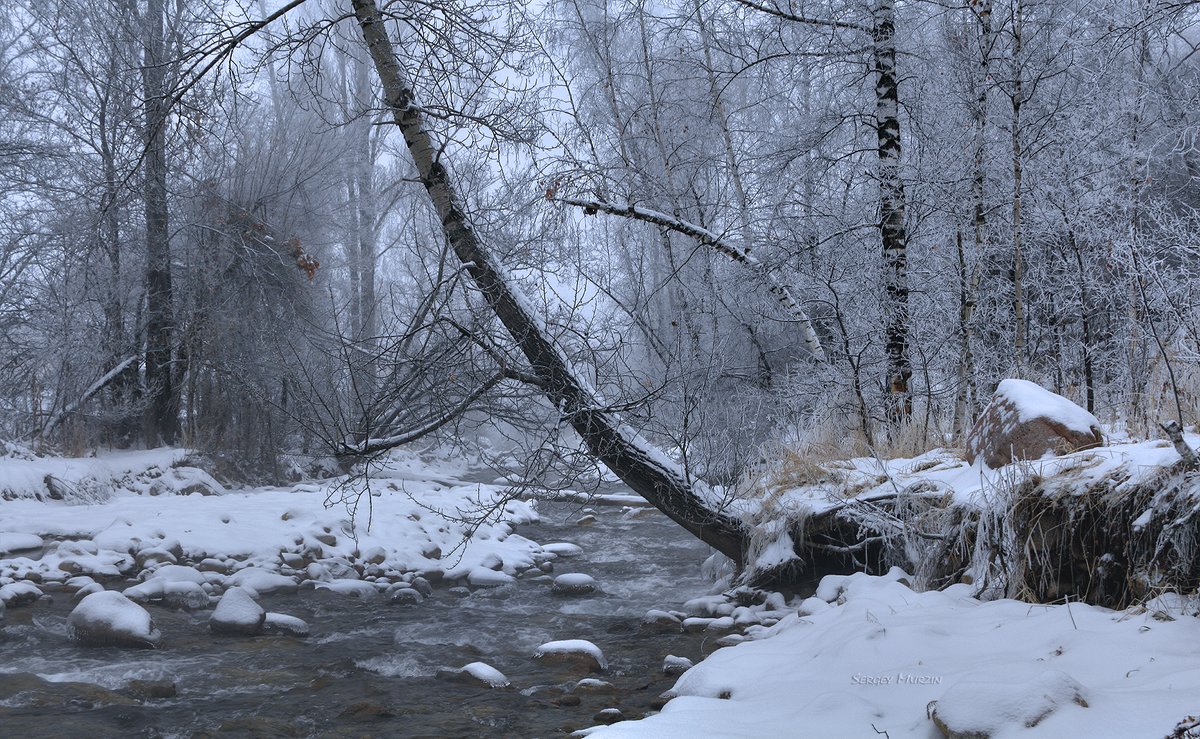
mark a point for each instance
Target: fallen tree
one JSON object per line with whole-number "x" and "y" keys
{"x": 644, "y": 468}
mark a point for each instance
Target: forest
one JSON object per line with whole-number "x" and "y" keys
{"x": 777, "y": 269}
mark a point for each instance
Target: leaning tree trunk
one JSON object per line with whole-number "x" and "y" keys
{"x": 641, "y": 466}
{"x": 163, "y": 419}
{"x": 892, "y": 228}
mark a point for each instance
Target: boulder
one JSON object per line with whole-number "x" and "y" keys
{"x": 980, "y": 709}
{"x": 279, "y": 623}
{"x": 237, "y": 613}
{"x": 477, "y": 673}
{"x": 16, "y": 594}
{"x": 673, "y": 665}
{"x": 573, "y": 583}
{"x": 11, "y": 542}
{"x": 576, "y": 653}
{"x": 186, "y": 481}
{"x": 1024, "y": 421}
{"x": 108, "y": 618}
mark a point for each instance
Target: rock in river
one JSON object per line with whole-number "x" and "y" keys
{"x": 573, "y": 583}
{"x": 237, "y": 613}
{"x": 578, "y": 653}
{"x": 110, "y": 619}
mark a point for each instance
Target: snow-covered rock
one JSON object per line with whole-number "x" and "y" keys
{"x": 986, "y": 707}
{"x": 479, "y": 673}
{"x": 19, "y": 594}
{"x": 279, "y": 623}
{"x": 108, "y": 618}
{"x": 482, "y": 577}
{"x": 262, "y": 581}
{"x": 573, "y": 583}
{"x": 16, "y": 542}
{"x": 1026, "y": 421}
{"x": 563, "y": 549}
{"x": 237, "y": 613}
{"x": 578, "y": 653}
{"x": 186, "y": 481}
{"x": 673, "y": 665}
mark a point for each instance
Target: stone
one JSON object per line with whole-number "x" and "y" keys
{"x": 13, "y": 542}
{"x": 405, "y": 596}
{"x": 673, "y": 665}
{"x": 593, "y": 685}
{"x": 1024, "y": 421}
{"x": 237, "y": 613}
{"x": 608, "y": 716}
{"x": 980, "y": 709}
{"x": 108, "y": 618}
{"x": 573, "y": 583}
{"x": 151, "y": 689}
{"x": 661, "y": 622}
{"x": 477, "y": 673}
{"x": 186, "y": 481}
{"x": 563, "y": 549}
{"x": 18, "y": 594}
{"x": 587, "y": 520}
{"x": 366, "y": 711}
{"x": 575, "y": 653}
{"x": 422, "y": 586}
{"x": 279, "y": 623}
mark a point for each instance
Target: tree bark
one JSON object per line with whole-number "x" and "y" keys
{"x": 892, "y": 227}
{"x": 163, "y": 420}
{"x": 641, "y": 466}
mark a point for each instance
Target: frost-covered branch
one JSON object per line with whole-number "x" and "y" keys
{"x": 740, "y": 254}
{"x": 87, "y": 395}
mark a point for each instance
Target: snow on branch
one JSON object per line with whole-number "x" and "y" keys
{"x": 87, "y": 395}
{"x": 740, "y": 254}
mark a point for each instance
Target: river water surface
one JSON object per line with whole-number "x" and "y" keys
{"x": 369, "y": 667}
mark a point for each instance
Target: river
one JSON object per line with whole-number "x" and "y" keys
{"x": 369, "y": 667}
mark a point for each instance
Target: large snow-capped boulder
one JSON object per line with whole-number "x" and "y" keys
{"x": 108, "y": 618}
{"x": 1025, "y": 421}
{"x": 980, "y": 709}
{"x": 237, "y": 613}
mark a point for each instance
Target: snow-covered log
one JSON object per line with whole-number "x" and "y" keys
{"x": 639, "y": 464}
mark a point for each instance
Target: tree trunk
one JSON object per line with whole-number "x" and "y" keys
{"x": 1018, "y": 156}
{"x": 163, "y": 413}
{"x": 892, "y": 229}
{"x": 641, "y": 466}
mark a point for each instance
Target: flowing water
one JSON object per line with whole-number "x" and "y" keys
{"x": 369, "y": 667}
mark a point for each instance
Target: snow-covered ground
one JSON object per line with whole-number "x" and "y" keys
{"x": 410, "y": 517}
{"x": 871, "y": 655}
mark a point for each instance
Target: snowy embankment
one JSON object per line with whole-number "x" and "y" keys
{"x": 869, "y": 655}
{"x": 411, "y": 520}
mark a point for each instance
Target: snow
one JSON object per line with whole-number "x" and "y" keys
{"x": 572, "y": 646}
{"x": 1034, "y": 401}
{"x": 944, "y": 472}
{"x": 237, "y": 613}
{"x": 15, "y": 542}
{"x": 279, "y": 623}
{"x": 886, "y": 652}
{"x": 485, "y": 673}
{"x": 563, "y": 549}
{"x": 413, "y": 516}
{"x": 110, "y": 617}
